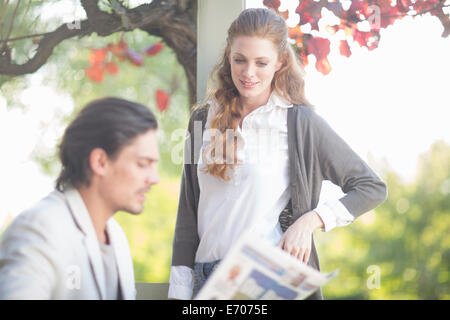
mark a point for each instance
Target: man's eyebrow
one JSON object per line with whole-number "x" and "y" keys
{"x": 149, "y": 158}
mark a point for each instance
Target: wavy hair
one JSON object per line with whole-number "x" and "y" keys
{"x": 287, "y": 83}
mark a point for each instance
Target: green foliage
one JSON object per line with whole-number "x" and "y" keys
{"x": 25, "y": 22}
{"x": 161, "y": 71}
{"x": 9, "y": 88}
{"x": 66, "y": 66}
{"x": 408, "y": 239}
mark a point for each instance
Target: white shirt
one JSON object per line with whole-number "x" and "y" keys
{"x": 112, "y": 284}
{"x": 255, "y": 195}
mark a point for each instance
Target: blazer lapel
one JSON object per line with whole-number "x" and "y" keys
{"x": 123, "y": 259}
{"x": 84, "y": 222}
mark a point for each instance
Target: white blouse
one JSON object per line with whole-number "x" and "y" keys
{"x": 254, "y": 196}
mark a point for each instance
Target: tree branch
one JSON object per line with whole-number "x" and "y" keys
{"x": 91, "y": 8}
{"x": 445, "y": 20}
{"x": 11, "y": 25}
{"x": 45, "y": 49}
{"x": 29, "y": 36}
{"x": 160, "y": 17}
{"x": 183, "y": 4}
{"x": 100, "y": 22}
{"x": 438, "y": 7}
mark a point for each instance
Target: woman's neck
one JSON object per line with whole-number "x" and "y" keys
{"x": 250, "y": 104}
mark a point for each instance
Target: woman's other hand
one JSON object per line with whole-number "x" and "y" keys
{"x": 297, "y": 239}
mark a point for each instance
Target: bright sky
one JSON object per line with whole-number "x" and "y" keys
{"x": 392, "y": 102}
{"x": 23, "y": 133}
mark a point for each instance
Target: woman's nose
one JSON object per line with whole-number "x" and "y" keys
{"x": 249, "y": 70}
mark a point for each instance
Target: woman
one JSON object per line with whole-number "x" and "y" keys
{"x": 263, "y": 155}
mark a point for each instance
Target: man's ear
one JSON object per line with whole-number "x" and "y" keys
{"x": 98, "y": 161}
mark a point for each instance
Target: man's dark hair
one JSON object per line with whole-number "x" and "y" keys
{"x": 109, "y": 124}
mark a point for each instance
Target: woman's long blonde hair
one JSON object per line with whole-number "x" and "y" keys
{"x": 287, "y": 83}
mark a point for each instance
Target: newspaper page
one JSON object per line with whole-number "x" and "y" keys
{"x": 254, "y": 269}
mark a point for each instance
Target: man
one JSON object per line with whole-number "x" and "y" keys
{"x": 68, "y": 246}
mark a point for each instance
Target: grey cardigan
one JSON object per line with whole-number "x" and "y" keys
{"x": 316, "y": 153}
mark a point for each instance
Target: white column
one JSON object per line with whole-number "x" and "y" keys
{"x": 213, "y": 19}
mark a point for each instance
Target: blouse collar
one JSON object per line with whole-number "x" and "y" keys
{"x": 273, "y": 102}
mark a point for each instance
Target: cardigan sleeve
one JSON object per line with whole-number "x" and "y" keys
{"x": 186, "y": 239}
{"x": 363, "y": 189}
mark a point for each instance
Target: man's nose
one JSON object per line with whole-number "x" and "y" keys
{"x": 153, "y": 177}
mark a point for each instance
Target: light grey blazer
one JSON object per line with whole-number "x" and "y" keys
{"x": 51, "y": 251}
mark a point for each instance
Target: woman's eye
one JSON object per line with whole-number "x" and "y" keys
{"x": 261, "y": 64}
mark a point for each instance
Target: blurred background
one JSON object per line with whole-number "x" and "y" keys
{"x": 390, "y": 104}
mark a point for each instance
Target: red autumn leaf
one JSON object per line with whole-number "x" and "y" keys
{"x": 335, "y": 7}
{"x": 97, "y": 56}
{"x": 323, "y": 66}
{"x": 274, "y": 4}
{"x": 123, "y": 44}
{"x": 320, "y": 47}
{"x": 310, "y": 12}
{"x": 378, "y": 13}
{"x": 388, "y": 14}
{"x": 304, "y": 58}
{"x": 426, "y": 5}
{"x": 134, "y": 57}
{"x": 357, "y": 7}
{"x": 344, "y": 48}
{"x": 372, "y": 43}
{"x": 162, "y": 100}
{"x": 332, "y": 29}
{"x": 118, "y": 48}
{"x": 154, "y": 49}
{"x": 295, "y": 32}
{"x": 95, "y": 73}
{"x": 361, "y": 37}
{"x": 403, "y": 5}
{"x": 111, "y": 68}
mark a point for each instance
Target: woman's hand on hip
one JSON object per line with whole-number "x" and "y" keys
{"x": 297, "y": 239}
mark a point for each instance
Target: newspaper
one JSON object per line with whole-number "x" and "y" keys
{"x": 254, "y": 269}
